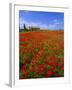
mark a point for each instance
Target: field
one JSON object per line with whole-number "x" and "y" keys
{"x": 41, "y": 54}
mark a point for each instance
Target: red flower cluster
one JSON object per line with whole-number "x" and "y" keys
{"x": 41, "y": 54}
{"x": 32, "y": 70}
{"x": 49, "y": 73}
{"x": 42, "y": 68}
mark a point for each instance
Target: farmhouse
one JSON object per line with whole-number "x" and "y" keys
{"x": 34, "y": 28}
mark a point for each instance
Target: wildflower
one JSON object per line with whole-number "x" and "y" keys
{"x": 49, "y": 73}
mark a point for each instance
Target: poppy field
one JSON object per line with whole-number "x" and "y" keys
{"x": 41, "y": 54}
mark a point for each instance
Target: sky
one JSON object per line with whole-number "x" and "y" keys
{"x": 43, "y": 20}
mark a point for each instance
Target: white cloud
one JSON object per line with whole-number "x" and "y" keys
{"x": 54, "y": 25}
{"x": 35, "y": 24}
{"x": 57, "y": 22}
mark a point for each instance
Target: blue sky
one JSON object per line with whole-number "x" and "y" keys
{"x": 44, "y": 20}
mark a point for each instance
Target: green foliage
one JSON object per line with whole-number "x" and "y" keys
{"x": 32, "y": 75}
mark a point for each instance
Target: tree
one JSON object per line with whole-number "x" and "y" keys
{"x": 25, "y": 29}
{"x": 24, "y": 26}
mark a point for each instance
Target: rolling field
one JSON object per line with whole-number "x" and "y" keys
{"x": 41, "y": 54}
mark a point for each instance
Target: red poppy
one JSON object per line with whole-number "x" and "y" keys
{"x": 54, "y": 58}
{"x": 32, "y": 70}
{"x": 52, "y": 63}
{"x": 42, "y": 68}
{"x": 49, "y": 73}
{"x": 59, "y": 59}
{"x": 24, "y": 76}
{"x": 38, "y": 73}
{"x": 62, "y": 68}
{"x": 23, "y": 68}
{"x": 53, "y": 68}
